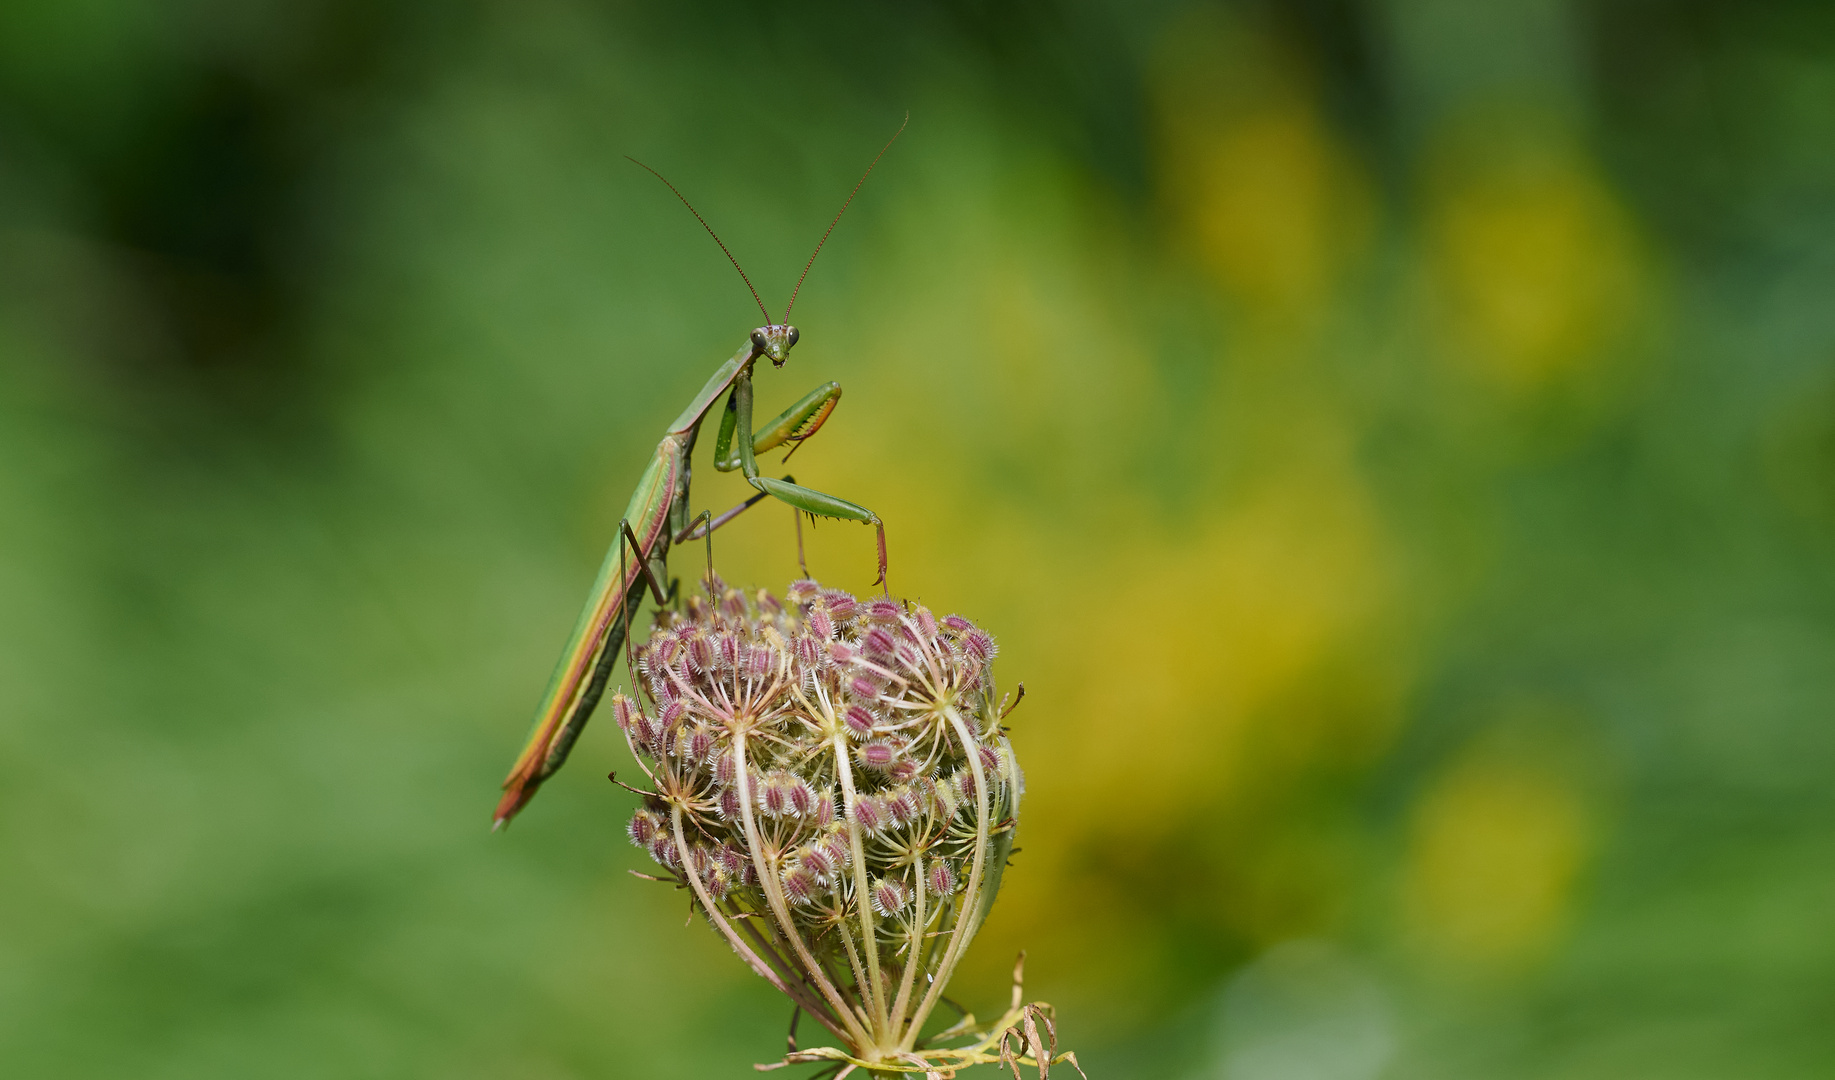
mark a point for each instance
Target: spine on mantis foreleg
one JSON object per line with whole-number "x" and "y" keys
{"x": 800, "y": 421}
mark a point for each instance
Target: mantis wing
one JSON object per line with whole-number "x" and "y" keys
{"x": 566, "y": 706}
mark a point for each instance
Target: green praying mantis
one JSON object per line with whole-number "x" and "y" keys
{"x": 659, "y": 515}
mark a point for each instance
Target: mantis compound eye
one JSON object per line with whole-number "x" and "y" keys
{"x": 758, "y": 339}
{"x": 791, "y": 338}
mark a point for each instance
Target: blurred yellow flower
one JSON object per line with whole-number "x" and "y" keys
{"x": 1260, "y": 186}
{"x": 1530, "y": 254}
{"x": 1498, "y": 843}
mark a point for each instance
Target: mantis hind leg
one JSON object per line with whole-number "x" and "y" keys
{"x": 705, "y": 523}
{"x": 616, "y": 636}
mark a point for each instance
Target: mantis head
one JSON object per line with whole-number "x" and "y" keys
{"x": 774, "y": 340}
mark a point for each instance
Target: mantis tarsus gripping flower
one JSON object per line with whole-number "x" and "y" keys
{"x": 831, "y": 779}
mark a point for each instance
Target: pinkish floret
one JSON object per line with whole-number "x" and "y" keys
{"x": 643, "y": 827}
{"x": 774, "y": 798}
{"x": 859, "y": 721}
{"x": 878, "y": 642}
{"x": 821, "y": 624}
{"x": 870, "y": 814}
{"x": 700, "y": 653}
{"x": 800, "y": 886}
{"x": 980, "y": 645}
{"x": 889, "y": 897}
{"x": 801, "y": 797}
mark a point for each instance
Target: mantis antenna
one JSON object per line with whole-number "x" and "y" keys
{"x": 837, "y": 221}
{"x": 716, "y": 236}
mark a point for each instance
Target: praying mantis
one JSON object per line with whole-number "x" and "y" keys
{"x": 659, "y": 515}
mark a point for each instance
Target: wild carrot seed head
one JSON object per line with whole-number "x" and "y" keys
{"x": 815, "y": 766}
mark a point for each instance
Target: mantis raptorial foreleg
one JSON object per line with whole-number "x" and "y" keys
{"x": 816, "y": 406}
{"x": 797, "y": 424}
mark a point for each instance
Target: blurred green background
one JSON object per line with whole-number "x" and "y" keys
{"x": 1394, "y": 441}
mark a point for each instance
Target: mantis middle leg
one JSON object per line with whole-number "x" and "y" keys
{"x": 704, "y": 524}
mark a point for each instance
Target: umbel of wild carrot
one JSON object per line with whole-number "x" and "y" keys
{"x": 830, "y": 779}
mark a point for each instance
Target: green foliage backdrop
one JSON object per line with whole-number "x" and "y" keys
{"x": 1394, "y": 441}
